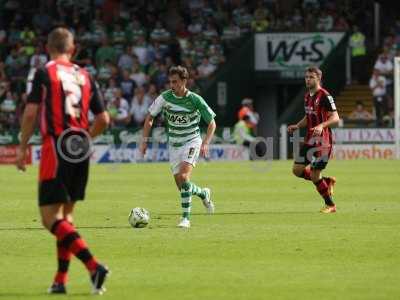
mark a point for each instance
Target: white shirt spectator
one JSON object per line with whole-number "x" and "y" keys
{"x": 42, "y": 59}
{"x": 139, "y": 77}
{"x": 195, "y": 27}
{"x": 139, "y": 110}
{"x": 325, "y": 22}
{"x": 125, "y": 61}
{"x": 385, "y": 67}
{"x": 205, "y": 69}
{"x": 377, "y": 85}
{"x": 122, "y": 108}
{"x": 141, "y": 51}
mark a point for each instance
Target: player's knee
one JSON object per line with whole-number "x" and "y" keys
{"x": 47, "y": 223}
{"x": 183, "y": 177}
{"x": 298, "y": 172}
{"x": 186, "y": 185}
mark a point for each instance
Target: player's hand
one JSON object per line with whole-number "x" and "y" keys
{"x": 204, "y": 150}
{"x": 20, "y": 160}
{"x": 317, "y": 130}
{"x": 292, "y": 128}
{"x": 143, "y": 148}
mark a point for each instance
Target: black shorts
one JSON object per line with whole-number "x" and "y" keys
{"x": 60, "y": 181}
{"x": 308, "y": 155}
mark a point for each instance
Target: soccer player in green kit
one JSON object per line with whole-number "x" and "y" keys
{"x": 183, "y": 111}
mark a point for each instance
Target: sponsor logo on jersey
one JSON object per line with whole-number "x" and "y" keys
{"x": 178, "y": 119}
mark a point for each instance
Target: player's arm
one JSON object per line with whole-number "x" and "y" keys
{"x": 29, "y": 117}
{"x": 27, "y": 128}
{"x": 302, "y": 123}
{"x": 154, "y": 109}
{"x": 100, "y": 123}
{"x": 208, "y": 116}
{"x": 333, "y": 116}
{"x": 207, "y": 139}
{"x": 148, "y": 123}
{"x": 101, "y": 117}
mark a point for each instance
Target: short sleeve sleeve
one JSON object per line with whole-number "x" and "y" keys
{"x": 328, "y": 103}
{"x": 206, "y": 112}
{"x": 156, "y": 107}
{"x": 96, "y": 99}
{"x": 37, "y": 92}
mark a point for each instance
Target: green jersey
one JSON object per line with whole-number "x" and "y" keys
{"x": 182, "y": 115}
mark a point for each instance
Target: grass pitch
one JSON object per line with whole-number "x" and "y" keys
{"x": 266, "y": 240}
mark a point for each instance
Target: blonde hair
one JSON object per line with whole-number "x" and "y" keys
{"x": 60, "y": 40}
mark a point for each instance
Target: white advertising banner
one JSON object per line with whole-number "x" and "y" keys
{"x": 129, "y": 153}
{"x": 364, "y": 151}
{"x": 293, "y": 51}
{"x": 364, "y": 135}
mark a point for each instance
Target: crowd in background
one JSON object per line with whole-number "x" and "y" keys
{"x": 128, "y": 46}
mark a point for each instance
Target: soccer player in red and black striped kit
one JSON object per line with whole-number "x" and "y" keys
{"x": 314, "y": 155}
{"x": 61, "y": 96}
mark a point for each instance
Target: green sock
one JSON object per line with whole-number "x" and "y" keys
{"x": 186, "y": 200}
{"x": 198, "y": 191}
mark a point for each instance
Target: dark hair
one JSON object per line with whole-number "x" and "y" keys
{"x": 60, "y": 40}
{"x": 359, "y": 103}
{"x": 246, "y": 118}
{"x": 182, "y": 72}
{"x": 315, "y": 70}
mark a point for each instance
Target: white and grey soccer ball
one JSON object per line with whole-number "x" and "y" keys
{"x": 139, "y": 217}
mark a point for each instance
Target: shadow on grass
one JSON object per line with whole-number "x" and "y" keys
{"x": 42, "y": 295}
{"x": 160, "y": 216}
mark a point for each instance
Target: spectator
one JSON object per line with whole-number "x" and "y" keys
{"x": 90, "y": 67}
{"x": 105, "y": 53}
{"x": 42, "y": 20}
{"x": 358, "y": 53}
{"x": 125, "y": 61}
{"x": 138, "y": 75}
{"x": 119, "y": 110}
{"x": 195, "y": 27}
{"x": 210, "y": 31}
{"x": 325, "y": 21}
{"x": 152, "y": 92}
{"x": 247, "y": 109}
{"x": 135, "y": 30}
{"x": 39, "y": 58}
{"x": 8, "y": 108}
{"x": 118, "y": 38}
{"x": 111, "y": 90}
{"x": 139, "y": 106}
{"x": 230, "y": 33}
{"x": 242, "y": 132}
{"x": 141, "y": 51}
{"x": 341, "y": 24}
{"x": 360, "y": 113}
{"x": 160, "y": 34}
{"x": 378, "y": 85}
{"x": 385, "y": 67}
{"x": 161, "y": 77}
{"x": 105, "y": 71}
{"x": 260, "y": 23}
{"x": 127, "y": 85}
{"x": 205, "y": 69}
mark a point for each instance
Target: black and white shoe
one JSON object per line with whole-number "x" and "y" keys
{"x": 98, "y": 278}
{"x": 57, "y": 288}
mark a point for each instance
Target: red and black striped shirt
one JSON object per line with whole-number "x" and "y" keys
{"x": 66, "y": 93}
{"x": 316, "y": 108}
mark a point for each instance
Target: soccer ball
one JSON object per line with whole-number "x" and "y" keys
{"x": 139, "y": 217}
